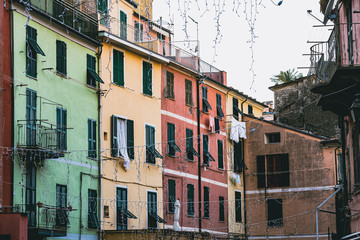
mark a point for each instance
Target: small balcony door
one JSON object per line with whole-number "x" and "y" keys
{"x": 30, "y": 117}
{"x": 31, "y": 195}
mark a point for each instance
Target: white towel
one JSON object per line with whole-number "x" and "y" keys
{"x": 238, "y": 130}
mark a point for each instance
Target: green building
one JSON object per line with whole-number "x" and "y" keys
{"x": 56, "y": 117}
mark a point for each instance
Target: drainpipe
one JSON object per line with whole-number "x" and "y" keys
{"x": 199, "y": 137}
{"x": 80, "y": 222}
{"x": 12, "y": 100}
{"x": 243, "y": 156}
{"x": 99, "y": 143}
{"x": 318, "y": 209}
{"x": 345, "y": 186}
{"x": 242, "y": 108}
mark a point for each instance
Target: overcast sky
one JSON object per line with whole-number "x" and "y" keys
{"x": 282, "y": 34}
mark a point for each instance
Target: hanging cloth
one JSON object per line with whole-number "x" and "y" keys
{"x": 238, "y": 130}
{"x": 122, "y": 142}
{"x": 211, "y": 124}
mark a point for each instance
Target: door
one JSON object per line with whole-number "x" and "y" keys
{"x": 31, "y": 117}
{"x": 31, "y": 195}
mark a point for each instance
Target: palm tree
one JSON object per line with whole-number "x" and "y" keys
{"x": 286, "y": 76}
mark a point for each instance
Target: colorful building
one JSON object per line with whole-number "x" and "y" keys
{"x": 290, "y": 179}
{"x": 56, "y": 117}
{"x": 237, "y": 105}
{"x": 131, "y": 159}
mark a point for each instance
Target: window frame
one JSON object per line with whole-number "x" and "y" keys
{"x": 61, "y": 128}
{"x": 171, "y": 195}
{"x": 61, "y": 57}
{"x": 129, "y": 134}
{"x": 219, "y": 111}
{"x": 118, "y": 68}
{"x": 92, "y": 153}
{"x": 238, "y": 214}
{"x": 169, "y": 86}
{"x": 206, "y": 202}
{"x": 188, "y": 93}
{"x": 274, "y": 221}
{"x": 221, "y": 209}
{"x": 92, "y": 211}
{"x": 190, "y": 200}
{"x": 147, "y": 81}
{"x": 220, "y": 146}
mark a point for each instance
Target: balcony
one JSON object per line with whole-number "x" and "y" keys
{"x": 79, "y": 17}
{"x": 38, "y": 140}
{"x": 45, "y": 220}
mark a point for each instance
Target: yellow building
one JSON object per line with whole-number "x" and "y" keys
{"x": 131, "y": 163}
{"x": 237, "y": 104}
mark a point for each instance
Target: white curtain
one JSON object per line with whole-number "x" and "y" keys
{"x": 122, "y": 141}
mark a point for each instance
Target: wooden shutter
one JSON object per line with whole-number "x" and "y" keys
{"x": 130, "y": 138}
{"x": 221, "y": 209}
{"x": 189, "y": 144}
{"x": 114, "y": 145}
{"x": 118, "y": 68}
{"x": 261, "y": 174}
{"x": 238, "y": 217}
{"x": 147, "y": 78}
{"x": 220, "y": 155}
{"x": 205, "y": 149}
{"x": 190, "y": 200}
{"x": 206, "y": 202}
{"x": 172, "y": 194}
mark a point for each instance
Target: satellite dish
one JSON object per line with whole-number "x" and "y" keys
{"x": 327, "y": 12}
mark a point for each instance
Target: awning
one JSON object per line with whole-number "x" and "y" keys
{"x": 176, "y": 147}
{"x": 205, "y": 101}
{"x": 127, "y": 213}
{"x": 210, "y": 157}
{"x": 155, "y": 152}
{"x": 157, "y": 218}
{"x": 94, "y": 75}
{"x": 35, "y": 46}
{"x": 193, "y": 151}
{"x": 220, "y": 111}
{"x": 238, "y": 110}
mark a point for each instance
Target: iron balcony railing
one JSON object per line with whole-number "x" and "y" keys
{"x": 40, "y": 134}
{"x": 325, "y": 59}
{"x": 42, "y": 216}
{"x": 81, "y": 16}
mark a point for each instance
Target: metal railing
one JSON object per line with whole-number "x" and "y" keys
{"x": 325, "y": 59}
{"x": 81, "y": 17}
{"x": 39, "y": 134}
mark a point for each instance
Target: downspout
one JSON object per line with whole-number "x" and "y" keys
{"x": 345, "y": 186}
{"x": 80, "y": 222}
{"x": 12, "y": 100}
{"x": 243, "y": 156}
{"x": 99, "y": 144}
{"x": 199, "y": 137}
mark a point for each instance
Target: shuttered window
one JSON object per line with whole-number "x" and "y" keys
{"x": 92, "y": 76}
{"x": 188, "y": 93}
{"x": 62, "y": 218}
{"x": 172, "y": 146}
{"x": 123, "y": 25}
{"x": 151, "y": 152}
{"x": 147, "y": 78}
{"x": 250, "y": 110}
{"x": 31, "y": 107}
{"x": 275, "y": 213}
{"x": 130, "y": 137}
{"x": 170, "y": 85}
{"x": 238, "y": 217}
{"x": 92, "y": 138}
{"x": 273, "y": 171}
{"x": 32, "y": 49}
{"x": 61, "y": 57}
{"x": 122, "y": 211}
{"x": 172, "y": 195}
{"x": 238, "y": 159}
{"x": 103, "y": 6}
{"x": 61, "y": 128}
{"x": 190, "y": 200}
{"x": 138, "y": 33}
{"x": 219, "y": 111}
{"x": 236, "y": 109}
{"x": 190, "y": 151}
{"x": 153, "y": 218}
{"x": 93, "y": 220}
{"x": 206, "y": 202}
{"x": 220, "y": 154}
{"x": 118, "y": 68}
{"x": 206, "y": 104}
{"x": 221, "y": 209}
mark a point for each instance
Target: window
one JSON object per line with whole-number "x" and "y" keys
{"x": 190, "y": 151}
{"x": 122, "y": 212}
{"x": 172, "y": 195}
{"x": 190, "y": 200}
{"x": 91, "y": 138}
{"x": 30, "y": 196}
{"x": 172, "y": 147}
{"x": 103, "y": 6}
{"x": 349, "y": 13}
{"x": 31, "y": 108}
{"x": 106, "y": 211}
{"x": 62, "y": 218}
{"x": 138, "y": 33}
{"x": 118, "y": 68}
{"x": 61, "y": 57}
{"x": 250, "y": 110}
{"x": 238, "y": 217}
{"x": 206, "y": 104}
{"x": 119, "y": 129}
{"x": 356, "y": 156}
{"x": 188, "y": 93}
{"x": 238, "y": 159}
{"x": 277, "y": 171}
{"x": 93, "y": 221}
{"x": 151, "y": 152}
{"x": 221, "y": 209}
{"x": 220, "y": 154}
{"x": 61, "y": 128}
{"x": 123, "y": 25}
{"x": 219, "y": 111}
{"x": 92, "y": 76}
{"x": 275, "y": 213}
{"x": 206, "y": 154}
{"x": 272, "y": 137}
{"x": 32, "y": 48}
{"x": 170, "y": 85}
{"x": 206, "y": 202}
{"x": 236, "y": 109}
{"x": 153, "y": 218}
{"x": 147, "y": 78}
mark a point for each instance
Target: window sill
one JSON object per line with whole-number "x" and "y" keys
{"x": 191, "y": 216}
{"x": 91, "y": 158}
{"x": 31, "y": 77}
{"x": 206, "y": 218}
{"x": 121, "y": 86}
{"x": 92, "y": 87}
{"x": 171, "y": 98}
{"x": 172, "y": 156}
{"x": 190, "y": 106}
{"x": 62, "y": 75}
{"x": 189, "y": 160}
{"x": 147, "y": 95}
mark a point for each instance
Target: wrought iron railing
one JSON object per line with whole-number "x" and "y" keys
{"x": 39, "y": 134}
{"x": 325, "y": 58}
{"x": 80, "y": 16}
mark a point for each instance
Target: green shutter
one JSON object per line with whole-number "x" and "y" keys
{"x": 220, "y": 155}
{"x": 60, "y": 57}
{"x": 171, "y": 138}
{"x": 118, "y": 68}
{"x": 238, "y": 161}
{"x": 190, "y": 200}
{"x": 114, "y": 136}
{"x": 205, "y": 149}
{"x": 221, "y": 209}
{"x": 147, "y": 78}
{"x": 93, "y": 221}
{"x": 130, "y": 138}
{"x": 123, "y": 25}
{"x": 238, "y": 207}
{"x": 172, "y": 195}
{"x": 206, "y": 202}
